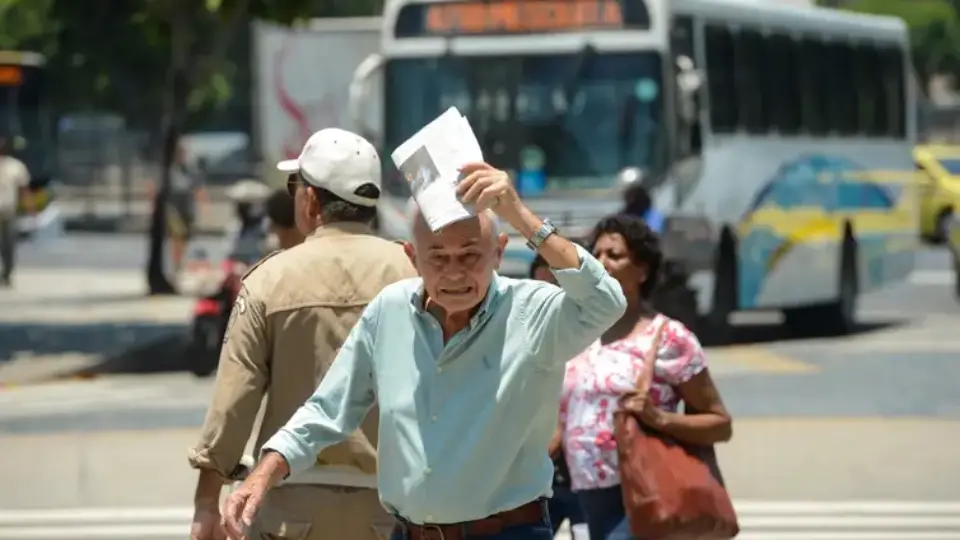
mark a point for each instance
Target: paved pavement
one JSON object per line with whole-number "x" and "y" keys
{"x": 835, "y": 439}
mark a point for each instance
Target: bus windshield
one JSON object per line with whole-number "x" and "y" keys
{"x": 575, "y": 119}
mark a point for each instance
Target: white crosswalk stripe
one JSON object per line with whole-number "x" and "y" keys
{"x": 73, "y": 397}
{"x": 766, "y": 520}
{"x": 842, "y": 520}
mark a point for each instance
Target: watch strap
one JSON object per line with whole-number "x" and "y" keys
{"x": 545, "y": 230}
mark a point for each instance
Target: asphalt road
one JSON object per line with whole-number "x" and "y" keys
{"x": 839, "y": 439}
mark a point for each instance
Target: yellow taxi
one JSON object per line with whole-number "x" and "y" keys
{"x": 953, "y": 242}
{"x": 938, "y": 168}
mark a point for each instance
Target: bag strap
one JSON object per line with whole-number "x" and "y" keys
{"x": 645, "y": 380}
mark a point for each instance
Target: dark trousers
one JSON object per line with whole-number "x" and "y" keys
{"x": 8, "y": 246}
{"x": 564, "y": 505}
{"x": 606, "y": 518}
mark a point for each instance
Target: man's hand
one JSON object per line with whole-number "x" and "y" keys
{"x": 242, "y": 505}
{"x": 207, "y": 525}
{"x": 488, "y": 188}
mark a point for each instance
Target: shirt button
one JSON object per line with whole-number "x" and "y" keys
{"x": 433, "y": 418}
{"x": 427, "y": 472}
{"x": 439, "y": 370}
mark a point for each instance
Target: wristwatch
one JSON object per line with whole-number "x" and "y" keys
{"x": 538, "y": 237}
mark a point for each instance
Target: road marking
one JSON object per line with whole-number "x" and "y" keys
{"x": 932, "y": 277}
{"x": 756, "y": 358}
{"x": 768, "y": 520}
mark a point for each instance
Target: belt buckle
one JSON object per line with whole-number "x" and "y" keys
{"x": 425, "y": 528}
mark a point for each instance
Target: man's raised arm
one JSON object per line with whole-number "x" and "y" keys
{"x": 589, "y": 300}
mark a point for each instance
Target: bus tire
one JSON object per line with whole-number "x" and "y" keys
{"x": 837, "y": 318}
{"x": 674, "y": 297}
{"x": 716, "y": 323}
{"x": 956, "y": 275}
{"x": 941, "y": 228}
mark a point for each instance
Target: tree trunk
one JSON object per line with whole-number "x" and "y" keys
{"x": 157, "y": 279}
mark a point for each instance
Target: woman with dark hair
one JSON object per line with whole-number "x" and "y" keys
{"x": 598, "y": 378}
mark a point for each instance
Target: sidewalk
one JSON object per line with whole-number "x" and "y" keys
{"x": 58, "y": 321}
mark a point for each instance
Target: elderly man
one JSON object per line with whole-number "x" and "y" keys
{"x": 467, "y": 368}
{"x": 293, "y": 313}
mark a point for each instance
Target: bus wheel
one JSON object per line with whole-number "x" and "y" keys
{"x": 837, "y": 318}
{"x": 956, "y": 275}
{"x": 941, "y": 229}
{"x": 716, "y": 323}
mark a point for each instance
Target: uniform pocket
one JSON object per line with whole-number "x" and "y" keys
{"x": 280, "y": 529}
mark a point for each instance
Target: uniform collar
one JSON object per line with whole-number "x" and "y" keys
{"x": 340, "y": 228}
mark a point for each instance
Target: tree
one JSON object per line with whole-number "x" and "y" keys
{"x": 934, "y": 31}
{"x": 199, "y": 37}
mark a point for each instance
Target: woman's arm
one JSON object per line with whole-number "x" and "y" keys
{"x": 710, "y": 424}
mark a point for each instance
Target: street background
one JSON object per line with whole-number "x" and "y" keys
{"x": 856, "y": 435}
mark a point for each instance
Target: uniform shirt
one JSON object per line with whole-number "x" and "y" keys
{"x": 14, "y": 176}
{"x": 465, "y": 424}
{"x": 293, "y": 313}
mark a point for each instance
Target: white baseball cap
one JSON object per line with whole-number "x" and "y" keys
{"x": 338, "y": 161}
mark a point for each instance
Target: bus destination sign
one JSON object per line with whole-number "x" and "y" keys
{"x": 473, "y": 17}
{"x": 11, "y": 76}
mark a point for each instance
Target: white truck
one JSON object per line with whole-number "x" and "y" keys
{"x": 301, "y": 80}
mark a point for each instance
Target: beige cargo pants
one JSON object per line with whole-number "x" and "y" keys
{"x": 316, "y": 512}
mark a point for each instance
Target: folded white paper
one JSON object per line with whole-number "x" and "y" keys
{"x": 430, "y": 161}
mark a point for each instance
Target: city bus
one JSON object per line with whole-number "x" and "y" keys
{"x": 26, "y": 122}
{"x": 776, "y": 139}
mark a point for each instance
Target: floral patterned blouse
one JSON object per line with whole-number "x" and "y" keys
{"x": 597, "y": 377}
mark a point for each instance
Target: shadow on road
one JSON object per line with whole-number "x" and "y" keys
{"x": 759, "y": 333}
{"x": 38, "y": 339}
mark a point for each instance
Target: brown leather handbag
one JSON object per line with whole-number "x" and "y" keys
{"x": 671, "y": 490}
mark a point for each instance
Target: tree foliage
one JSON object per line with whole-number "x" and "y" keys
{"x": 934, "y": 31}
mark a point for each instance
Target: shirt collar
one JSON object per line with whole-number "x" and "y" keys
{"x": 340, "y": 228}
{"x": 494, "y": 291}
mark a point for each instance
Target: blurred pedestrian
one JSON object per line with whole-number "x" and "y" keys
{"x": 186, "y": 194}
{"x": 608, "y": 370}
{"x": 280, "y": 219}
{"x": 637, "y": 202}
{"x": 293, "y": 313}
{"x": 563, "y": 505}
{"x": 14, "y": 192}
{"x": 466, "y": 367}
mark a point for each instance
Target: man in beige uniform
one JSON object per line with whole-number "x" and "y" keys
{"x": 294, "y": 312}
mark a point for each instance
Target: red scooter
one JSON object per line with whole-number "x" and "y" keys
{"x": 211, "y": 313}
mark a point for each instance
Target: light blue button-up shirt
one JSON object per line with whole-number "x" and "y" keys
{"x": 464, "y": 425}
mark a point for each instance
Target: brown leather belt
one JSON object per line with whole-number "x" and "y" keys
{"x": 531, "y": 513}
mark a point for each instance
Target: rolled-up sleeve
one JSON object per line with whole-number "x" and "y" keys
{"x": 565, "y": 319}
{"x": 340, "y": 403}
{"x": 242, "y": 376}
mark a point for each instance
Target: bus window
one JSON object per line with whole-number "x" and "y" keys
{"x": 782, "y": 83}
{"x": 814, "y": 82}
{"x": 870, "y": 92}
{"x": 724, "y": 110}
{"x": 842, "y": 111}
{"x": 750, "y": 81}
{"x": 891, "y": 64}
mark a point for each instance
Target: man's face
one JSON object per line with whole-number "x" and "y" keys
{"x": 457, "y": 264}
